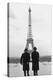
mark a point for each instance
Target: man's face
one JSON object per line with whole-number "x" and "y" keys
{"x": 34, "y": 49}
{"x": 25, "y": 51}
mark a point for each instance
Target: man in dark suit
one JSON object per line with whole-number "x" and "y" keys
{"x": 35, "y": 61}
{"x": 25, "y": 58}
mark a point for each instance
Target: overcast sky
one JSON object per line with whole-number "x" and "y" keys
{"x": 18, "y": 26}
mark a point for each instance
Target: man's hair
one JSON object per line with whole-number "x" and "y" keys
{"x": 35, "y": 48}
{"x": 26, "y": 49}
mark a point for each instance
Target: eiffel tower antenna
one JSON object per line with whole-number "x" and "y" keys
{"x": 29, "y": 38}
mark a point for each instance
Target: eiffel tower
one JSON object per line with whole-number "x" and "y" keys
{"x": 29, "y": 38}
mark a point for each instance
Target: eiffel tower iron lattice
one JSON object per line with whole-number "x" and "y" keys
{"x": 29, "y": 38}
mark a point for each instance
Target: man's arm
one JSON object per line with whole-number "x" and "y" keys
{"x": 38, "y": 56}
{"x": 32, "y": 55}
{"x": 21, "y": 60}
{"x": 29, "y": 57}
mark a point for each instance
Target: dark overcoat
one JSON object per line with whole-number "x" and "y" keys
{"x": 35, "y": 60}
{"x": 25, "y": 58}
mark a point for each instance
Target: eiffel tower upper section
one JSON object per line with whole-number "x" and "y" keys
{"x": 29, "y": 28}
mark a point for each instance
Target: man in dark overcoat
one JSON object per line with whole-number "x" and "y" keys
{"x": 35, "y": 61}
{"x": 25, "y": 58}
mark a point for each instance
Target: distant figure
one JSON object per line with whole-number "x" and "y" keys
{"x": 35, "y": 61}
{"x": 25, "y": 58}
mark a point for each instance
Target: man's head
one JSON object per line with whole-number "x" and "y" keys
{"x": 35, "y": 48}
{"x": 25, "y": 50}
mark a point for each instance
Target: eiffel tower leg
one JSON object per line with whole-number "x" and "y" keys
{"x": 32, "y": 45}
{"x": 27, "y": 45}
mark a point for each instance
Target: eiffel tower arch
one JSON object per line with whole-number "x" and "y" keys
{"x": 29, "y": 38}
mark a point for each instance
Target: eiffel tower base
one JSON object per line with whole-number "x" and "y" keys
{"x": 30, "y": 41}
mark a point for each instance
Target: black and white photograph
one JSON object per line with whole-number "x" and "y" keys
{"x": 29, "y": 39}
